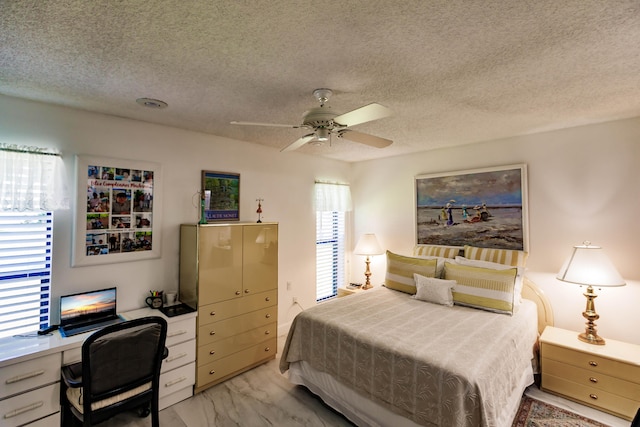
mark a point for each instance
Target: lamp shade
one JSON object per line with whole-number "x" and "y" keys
{"x": 589, "y": 265}
{"x": 368, "y": 245}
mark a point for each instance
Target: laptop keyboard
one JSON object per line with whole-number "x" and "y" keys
{"x": 81, "y": 329}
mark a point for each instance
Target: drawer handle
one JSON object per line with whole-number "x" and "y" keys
{"x": 211, "y": 372}
{"x": 237, "y": 292}
{"x": 22, "y": 410}
{"x": 246, "y": 291}
{"x": 213, "y": 313}
{"x": 212, "y": 352}
{"x": 267, "y": 349}
{"x": 176, "y": 357}
{"x": 593, "y": 380}
{"x": 593, "y": 396}
{"x": 212, "y": 333}
{"x": 268, "y": 316}
{"x": 593, "y": 363}
{"x": 24, "y": 377}
{"x": 176, "y": 381}
{"x": 267, "y": 332}
{"x": 267, "y": 299}
{"x": 176, "y": 333}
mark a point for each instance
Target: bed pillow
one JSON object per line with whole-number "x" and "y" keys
{"x": 436, "y": 250}
{"x": 400, "y": 271}
{"x": 439, "y": 264}
{"x": 510, "y": 257}
{"x": 434, "y": 290}
{"x": 488, "y": 264}
{"x": 484, "y": 288}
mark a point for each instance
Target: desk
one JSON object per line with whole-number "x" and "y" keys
{"x": 30, "y": 370}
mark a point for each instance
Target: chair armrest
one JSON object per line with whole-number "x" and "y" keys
{"x": 72, "y": 375}
{"x": 165, "y": 353}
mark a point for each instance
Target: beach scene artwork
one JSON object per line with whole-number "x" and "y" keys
{"x": 483, "y": 207}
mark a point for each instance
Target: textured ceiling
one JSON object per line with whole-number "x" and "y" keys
{"x": 453, "y": 72}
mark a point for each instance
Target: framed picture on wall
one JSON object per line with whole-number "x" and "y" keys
{"x": 221, "y": 192}
{"x": 480, "y": 207}
{"x": 118, "y": 214}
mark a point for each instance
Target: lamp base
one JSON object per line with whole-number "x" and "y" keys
{"x": 590, "y": 334}
{"x": 591, "y": 338}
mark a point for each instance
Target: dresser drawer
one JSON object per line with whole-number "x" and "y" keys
{"x": 177, "y": 379}
{"x": 180, "y": 331}
{"x": 179, "y": 354}
{"x": 29, "y": 374}
{"x": 27, "y": 407}
{"x": 221, "y": 348}
{"x": 608, "y": 402}
{"x": 235, "y": 362}
{"x": 235, "y": 325}
{"x": 592, "y": 362}
{"x": 589, "y": 378}
{"x": 223, "y": 310}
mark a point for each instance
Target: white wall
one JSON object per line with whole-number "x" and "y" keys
{"x": 583, "y": 185}
{"x": 284, "y": 180}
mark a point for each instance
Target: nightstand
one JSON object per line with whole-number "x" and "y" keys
{"x": 343, "y": 292}
{"x": 604, "y": 377}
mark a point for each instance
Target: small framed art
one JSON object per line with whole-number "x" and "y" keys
{"x": 221, "y": 192}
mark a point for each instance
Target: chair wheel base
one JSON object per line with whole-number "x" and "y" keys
{"x": 144, "y": 412}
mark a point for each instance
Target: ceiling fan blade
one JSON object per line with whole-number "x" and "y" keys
{"x": 277, "y": 125}
{"x": 364, "y": 114}
{"x": 299, "y": 142}
{"x": 365, "y": 138}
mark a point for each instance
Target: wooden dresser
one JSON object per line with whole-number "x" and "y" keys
{"x": 604, "y": 377}
{"x": 230, "y": 273}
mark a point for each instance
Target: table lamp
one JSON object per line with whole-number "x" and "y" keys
{"x": 589, "y": 265}
{"x": 368, "y": 245}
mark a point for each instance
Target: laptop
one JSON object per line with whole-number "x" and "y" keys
{"x": 88, "y": 311}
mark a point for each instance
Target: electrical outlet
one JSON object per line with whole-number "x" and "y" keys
{"x": 295, "y": 300}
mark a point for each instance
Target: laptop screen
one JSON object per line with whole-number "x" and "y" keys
{"x": 87, "y": 306}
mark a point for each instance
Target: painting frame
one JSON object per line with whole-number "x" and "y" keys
{"x": 117, "y": 212}
{"x": 484, "y": 207}
{"x": 221, "y": 194}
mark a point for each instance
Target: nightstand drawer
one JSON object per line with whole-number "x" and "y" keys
{"x": 590, "y": 396}
{"x": 592, "y": 362}
{"x": 589, "y": 378}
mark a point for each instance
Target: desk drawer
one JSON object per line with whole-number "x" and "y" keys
{"x": 235, "y": 362}
{"x": 592, "y": 362}
{"x": 177, "y": 379}
{"x": 180, "y": 331}
{"x": 24, "y": 408}
{"x": 590, "y": 396}
{"x": 236, "y": 325}
{"x": 179, "y": 354}
{"x": 29, "y": 374}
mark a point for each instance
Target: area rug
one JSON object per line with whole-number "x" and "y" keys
{"x": 534, "y": 413}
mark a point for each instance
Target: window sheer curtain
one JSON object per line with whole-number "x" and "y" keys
{"x": 31, "y": 179}
{"x": 333, "y": 197}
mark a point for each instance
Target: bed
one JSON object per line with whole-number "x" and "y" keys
{"x": 385, "y": 358}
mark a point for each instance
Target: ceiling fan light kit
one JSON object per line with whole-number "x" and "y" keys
{"x": 325, "y": 123}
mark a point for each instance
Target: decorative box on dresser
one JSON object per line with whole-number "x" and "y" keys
{"x": 605, "y": 377}
{"x": 230, "y": 273}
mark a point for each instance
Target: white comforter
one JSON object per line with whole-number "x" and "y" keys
{"x": 436, "y": 365}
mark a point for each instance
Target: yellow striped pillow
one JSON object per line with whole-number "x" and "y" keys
{"x": 436, "y": 250}
{"x": 500, "y": 256}
{"x": 483, "y": 288}
{"x": 400, "y": 271}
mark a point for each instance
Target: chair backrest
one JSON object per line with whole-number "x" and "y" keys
{"x": 121, "y": 357}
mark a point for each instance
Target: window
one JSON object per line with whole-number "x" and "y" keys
{"x": 330, "y": 238}
{"x": 333, "y": 201}
{"x": 25, "y": 271}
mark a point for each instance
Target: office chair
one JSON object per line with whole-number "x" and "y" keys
{"x": 119, "y": 371}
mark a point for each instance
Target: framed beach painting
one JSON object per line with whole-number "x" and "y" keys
{"x": 117, "y": 217}
{"x": 480, "y": 207}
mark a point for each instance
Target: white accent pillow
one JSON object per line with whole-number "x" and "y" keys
{"x": 434, "y": 290}
{"x": 494, "y": 265}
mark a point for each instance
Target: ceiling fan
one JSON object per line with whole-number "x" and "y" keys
{"x": 325, "y": 123}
